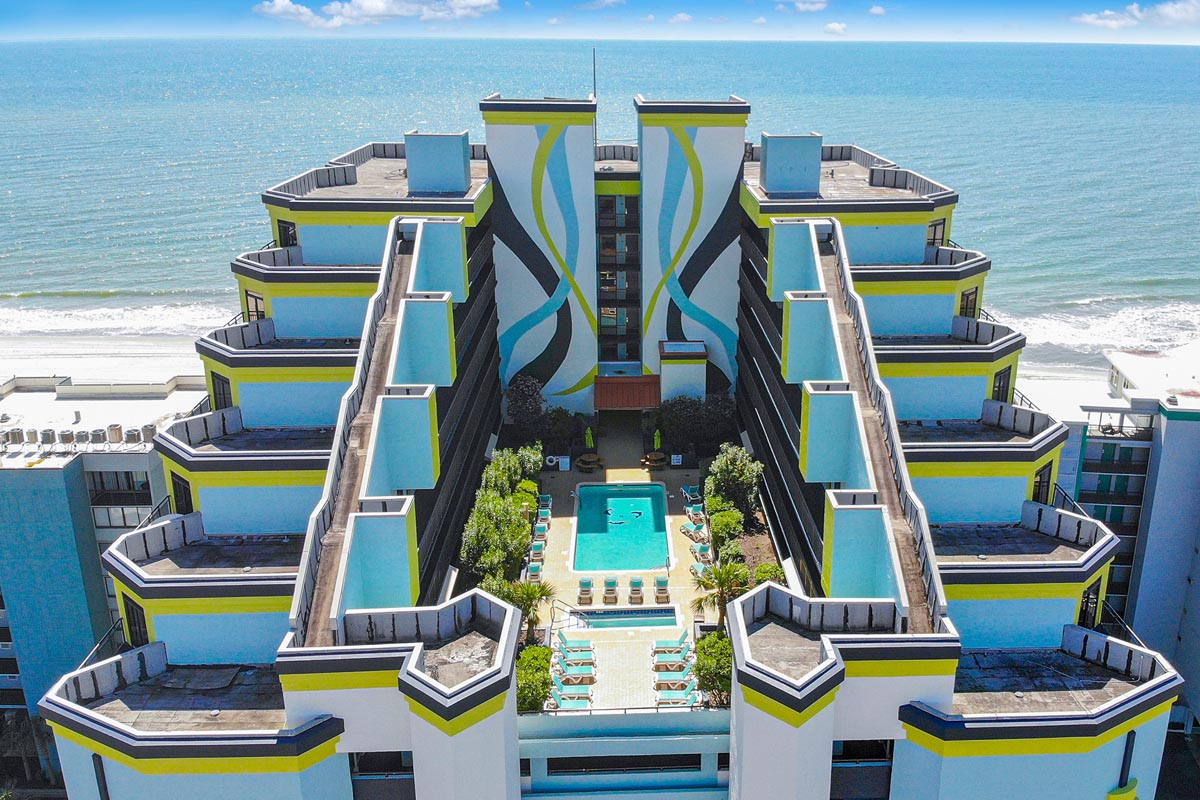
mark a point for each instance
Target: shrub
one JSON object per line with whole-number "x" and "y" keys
{"x": 520, "y": 499}
{"x": 497, "y": 586}
{"x": 714, "y": 667}
{"x": 704, "y": 423}
{"x": 530, "y": 458}
{"x": 502, "y": 473}
{"x": 769, "y": 572}
{"x": 525, "y": 402}
{"x": 735, "y": 475}
{"x": 495, "y": 537}
{"x": 726, "y": 526}
{"x": 731, "y": 553}
{"x": 715, "y": 504}
{"x": 533, "y": 678}
{"x": 527, "y": 486}
{"x": 716, "y": 588}
{"x": 560, "y": 430}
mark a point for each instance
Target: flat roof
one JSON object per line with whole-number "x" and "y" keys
{"x": 184, "y": 698}
{"x": 956, "y": 430}
{"x": 308, "y": 344}
{"x": 849, "y": 181}
{"x": 270, "y": 439}
{"x": 387, "y": 178}
{"x": 999, "y": 542}
{"x": 617, "y": 165}
{"x": 1162, "y": 372}
{"x": 1064, "y": 398}
{"x": 223, "y": 555}
{"x": 1025, "y": 680}
{"x": 455, "y": 661}
{"x": 784, "y": 646}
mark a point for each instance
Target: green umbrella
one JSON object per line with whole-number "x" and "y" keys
{"x": 588, "y": 439}
{"x": 657, "y": 439}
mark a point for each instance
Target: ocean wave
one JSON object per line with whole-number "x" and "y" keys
{"x": 169, "y": 319}
{"x": 49, "y": 294}
{"x": 1157, "y": 327}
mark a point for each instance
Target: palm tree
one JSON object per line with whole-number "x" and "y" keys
{"x": 527, "y": 597}
{"x": 717, "y": 586}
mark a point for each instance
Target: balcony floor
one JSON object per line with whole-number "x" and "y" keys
{"x": 460, "y": 659}
{"x": 954, "y": 431}
{"x": 256, "y": 439}
{"x": 784, "y": 646}
{"x": 1048, "y": 680}
{"x": 966, "y": 543}
{"x": 256, "y": 555}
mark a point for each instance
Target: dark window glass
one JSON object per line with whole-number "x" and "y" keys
{"x": 222, "y": 393}
{"x": 1041, "y": 484}
{"x": 526, "y": 768}
{"x": 653, "y": 763}
{"x": 395, "y": 762}
{"x": 1001, "y": 389}
{"x": 287, "y": 234}
{"x": 722, "y": 762}
{"x": 256, "y": 307}
{"x": 101, "y": 780}
{"x": 182, "y": 490}
{"x": 863, "y": 750}
{"x": 937, "y": 233}
{"x": 135, "y": 618}
{"x": 968, "y": 303}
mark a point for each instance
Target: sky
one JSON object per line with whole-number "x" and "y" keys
{"x": 1171, "y": 22}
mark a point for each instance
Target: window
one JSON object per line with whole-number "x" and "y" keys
{"x": 222, "y": 393}
{"x": 1041, "y": 484}
{"x": 1089, "y": 606}
{"x": 722, "y": 762}
{"x": 118, "y": 488}
{"x": 936, "y": 236}
{"x": 585, "y": 765}
{"x": 395, "y": 762}
{"x": 1001, "y": 388}
{"x": 968, "y": 303}
{"x": 135, "y": 619}
{"x": 256, "y": 307}
{"x": 287, "y": 234}
{"x": 182, "y": 491}
{"x": 526, "y": 768}
{"x": 878, "y": 750}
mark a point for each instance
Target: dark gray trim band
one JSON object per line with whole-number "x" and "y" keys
{"x": 966, "y": 352}
{"x": 275, "y": 357}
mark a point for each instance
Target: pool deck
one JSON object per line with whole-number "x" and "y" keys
{"x": 624, "y": 672}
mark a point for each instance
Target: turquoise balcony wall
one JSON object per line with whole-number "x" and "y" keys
{"x": 319, "y": 317}
{"x": 810, "y": 351}
{"x": 880, "y": 244}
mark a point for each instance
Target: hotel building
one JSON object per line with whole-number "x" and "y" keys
{"x": 297, "y": 627}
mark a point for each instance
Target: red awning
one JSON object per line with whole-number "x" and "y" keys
{"x": 630, "y": 393}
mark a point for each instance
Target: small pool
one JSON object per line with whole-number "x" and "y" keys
{"x": 628, "y": 618}
{"x": 621, "y": 527}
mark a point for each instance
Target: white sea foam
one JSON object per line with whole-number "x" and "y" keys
{"x": 1157, "y": 327}
{"x": 169, "y": 319}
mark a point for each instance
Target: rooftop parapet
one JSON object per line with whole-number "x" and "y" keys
{"x": 288, "y": 265}
{"x": 969, "y": 339}
{"x": 496, "y": 103}
{"x": 1002, "y": 428}
{"x": 142, "y": 707}
{"x": 733, "y": 106}
{"x": 254, "y": 344}
{"x": 211, "y": 440}
{"x": 941, "y": 263}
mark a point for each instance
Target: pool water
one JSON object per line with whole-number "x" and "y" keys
{"x": 621, "y": 527}
{"x": 635, "y": 618}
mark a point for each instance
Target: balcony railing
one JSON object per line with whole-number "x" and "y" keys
{"x": 1127, "y": 432}
{"x": 1116, "y": 467}
{"x": 1065, "y": 502}
{"x": 1100, "y": 498}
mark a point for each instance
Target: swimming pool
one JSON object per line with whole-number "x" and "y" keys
{"x": 621, "y": 527}
{"x": 627, "y": 618}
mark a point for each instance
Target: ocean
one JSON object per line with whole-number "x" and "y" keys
{"x": 132, "y": 169}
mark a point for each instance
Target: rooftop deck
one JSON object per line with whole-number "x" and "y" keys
{"x": 269, "y": 439}
{"x": 784, "y": 646}
{"x": 951, "y": 431}
{"x": 199, "y": 699}
{"x": 1032, "y": 680}
{"x": 840, "y": 180}
{"x": 307, "y": 344}
{"x": 251, "y": 555}
{"x": 999, "y": 542}
{"x": 387, "y": 178}
{"x": 458, "y": 660}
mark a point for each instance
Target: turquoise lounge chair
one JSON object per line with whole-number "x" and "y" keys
{"x": 673, "y": 659}
{"x": 636, "y": 595}
{"x": 585, "y": 592}
{"x": 543, "y": 515}
{"x": 610, "y": 589}
{"x": 534, "y": 572}
{"x": 694, "y": 531}
{"x": 662, "y": 591}
{"x": 702, "y": 552}
{"x": 540, "y": 530}
{"x": 671, "y": 645}
{"x": 677, "y": 696}
{"x": 688, "y": 701}
{"x": 537, "y": 551}
{"x": 568, "y": 704}
{"x": 573, "y": 644}
{"x": 577, "y": 673}
{"x": 699, "y": 568}
{"x": 694, "y": 510}
{"x": 545, "y": 501}
{"x": 691, "y": 490}
{"x": 575, "y": 658}
{"x": 572, "y": 691}
{"x": 674, "y": 680}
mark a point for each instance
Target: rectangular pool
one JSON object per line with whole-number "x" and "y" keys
{"x": 628, "y": 618}
{"x": 621, "y": 527}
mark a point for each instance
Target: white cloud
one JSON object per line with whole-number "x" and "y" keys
{"x": 878, "y": 11}
{"x": 1176, "y": 12}
{"x": 369, "y": 12}
{"x": 836, "y": 28}
{"x": 781, "y": 7}
{"x": 555, "y": 21}
{"x": 596, "y": 5}
{"x": 648, "y": 18}
{"x": 759, "y": 20}
{"x": 819, "y": 5}
{"x": 680, "y": 18}
{"x": 528, "y": 4}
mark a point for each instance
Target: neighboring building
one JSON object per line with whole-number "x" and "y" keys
{"x": 77, "y": 471}
{"x": 296, "y": 627}
{"x": 1135, "y": 463}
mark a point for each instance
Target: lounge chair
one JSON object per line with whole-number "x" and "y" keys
{"x": 699, "y": 568}
{"x": 534, "y": 572}
{"x": 673, "y": 661}
{"x": 662, "y": 593}
{"x": 692, "y": 490}
{"x": 567, "y": 704}
{"x": 677, "y": 695}
{"x": 540, "y": 531}
{"x": 575, "y": 658}
{"x": 574, "y": 691}
{"x": 684, "y": 698}
{"x": 537, "y": 552}
{"x": 574, "y": 673}
{"x": 671, "y": 645}
{"x": 673, "y": 680}
{"x": 585, "y": 592}
{"x": 610, "y": 589}
{"x": 573, "y": 644}
{"x": 636, "y": 595}
{"x": 701, "y": 552}
{"x": 545, "y": 501}
{"x": 543, "y": 515}
{"x": 695, "y": 513}
{"x": 694, "y": 531}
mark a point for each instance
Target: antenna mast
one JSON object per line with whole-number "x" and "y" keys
{"x": 595, "y": 135}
